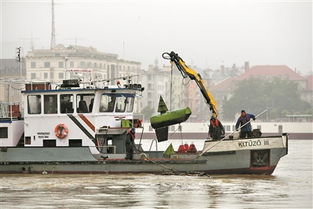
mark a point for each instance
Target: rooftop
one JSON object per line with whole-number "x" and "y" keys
{"x": 260, "y": 72}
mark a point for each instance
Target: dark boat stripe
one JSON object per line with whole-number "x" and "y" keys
{"x": 81, "y": 127}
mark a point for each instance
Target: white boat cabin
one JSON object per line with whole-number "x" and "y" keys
{"x": 75, "y": 117}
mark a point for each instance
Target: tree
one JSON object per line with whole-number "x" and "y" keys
{"x": 281, "y": 97}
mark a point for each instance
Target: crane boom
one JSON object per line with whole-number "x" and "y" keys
{"x": 193, "y": 75}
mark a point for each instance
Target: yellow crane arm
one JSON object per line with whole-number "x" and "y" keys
{"x": 193, "y": 75}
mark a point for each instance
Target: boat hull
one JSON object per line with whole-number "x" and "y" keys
{"x": 245, "y": 156}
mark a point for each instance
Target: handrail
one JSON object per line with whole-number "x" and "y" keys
{"x": 156, "y": 145}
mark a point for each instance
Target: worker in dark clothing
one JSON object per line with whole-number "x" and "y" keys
{"x": 245, "y": 131}
{"x": 216, "y": 129}
{"x": 130, "y": 144}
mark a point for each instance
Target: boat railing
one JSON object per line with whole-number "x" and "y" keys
{"x": 156, "y": 144}
{"x": 107, "y": 149}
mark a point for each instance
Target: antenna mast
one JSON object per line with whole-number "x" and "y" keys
{"x": 52, "y": 44}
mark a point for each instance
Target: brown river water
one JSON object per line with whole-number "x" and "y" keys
{"x": 290, "y": 186}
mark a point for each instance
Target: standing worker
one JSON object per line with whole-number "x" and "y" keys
{"x": 130, "y": 144}
{"x": 216, "y": 129}
{"x": 244, "y": 118}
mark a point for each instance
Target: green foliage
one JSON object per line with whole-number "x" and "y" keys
{"x": 281, "y": 97}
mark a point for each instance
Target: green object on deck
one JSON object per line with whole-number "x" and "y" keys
{"x": 162, "y": 108}
{"x": 170, "y": 118}
{"x": 169, "y": 151}
{"x": 126, "y": 124}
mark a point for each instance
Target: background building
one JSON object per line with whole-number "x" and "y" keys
{"x": 85, "y": 63}
{"x": 12, "y": 75}
{"x": 61, "y": 62}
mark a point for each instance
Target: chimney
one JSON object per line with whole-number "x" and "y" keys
{"x": 247, "y": 67}
{"x": 222, "y": 69}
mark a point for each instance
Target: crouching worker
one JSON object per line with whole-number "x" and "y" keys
{"x": 130, "y": 144}
{"x": 216, "y": 129}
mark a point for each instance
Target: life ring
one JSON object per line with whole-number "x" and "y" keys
{"x": 61, "y": 131}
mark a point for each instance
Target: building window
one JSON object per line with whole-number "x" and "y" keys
{"x": 100, "y": 65}
{"x": 61, "y": 75}
{"x": 52, "y": 75}
{"x": 84, "y": 103}
{"x": 33, "y": 64}
{"x": 33, "y": 76}
{"x": 82, "y": 64}
{"x": 89, "y": 64}
{"x": 71, "y": 64}
{"x": 45, "y": 75}
{"x": 47, "y": 64}
{"x": 34, "y": 104}
{"x": 49, "y": 143}
{"x": 66, "y": 103}
{"x": 61, "y": 64}
{"x": 50, "y": 104}
{"x": 95, "y": 65}
{"x": 3, "y": 132}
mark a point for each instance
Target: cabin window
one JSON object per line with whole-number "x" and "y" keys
{"x": 75, "y": 142}
{"x": 3, "y": 132}
{"x": 130, "y": 104}
{"x": 107, "y": 103}
{"x": 49, "y": 143}
{"x": 50, "y": 104}
{"x": 66, "y": 103}
{"x": 120, "y": 104}
{"x": 84, "y": 103}
{"x": 34, "y": 104}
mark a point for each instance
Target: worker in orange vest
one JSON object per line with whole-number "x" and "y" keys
{"x": 216, "y": 129}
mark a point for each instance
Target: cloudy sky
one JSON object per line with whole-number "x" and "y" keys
{"x": 205, "y": 33}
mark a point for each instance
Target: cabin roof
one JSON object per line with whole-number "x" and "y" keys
{"x": 109, "y": 90}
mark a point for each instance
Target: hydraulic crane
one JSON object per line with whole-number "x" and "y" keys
{"x": 193, "y": 75}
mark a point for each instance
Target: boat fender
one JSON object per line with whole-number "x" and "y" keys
{"x": 61, "y": 131}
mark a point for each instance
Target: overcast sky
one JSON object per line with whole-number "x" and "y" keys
{"x": 205, "y": 33}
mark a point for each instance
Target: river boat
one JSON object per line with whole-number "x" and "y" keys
{"x": 75, "y": 129}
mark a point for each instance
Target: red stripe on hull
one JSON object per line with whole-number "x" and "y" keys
{"x": 88, "y": 123}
